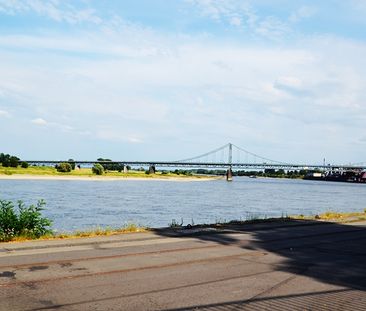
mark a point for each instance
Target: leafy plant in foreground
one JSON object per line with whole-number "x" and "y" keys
{"x": 24, "y": 221}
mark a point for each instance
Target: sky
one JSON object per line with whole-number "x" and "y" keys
{"x": 166, "y": 80}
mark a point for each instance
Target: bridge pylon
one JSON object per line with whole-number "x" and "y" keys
{"x": 229, "y": 172}
{"x": 152, "y": 169}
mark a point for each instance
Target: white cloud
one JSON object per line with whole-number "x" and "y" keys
{"x": 357, "y": 4}
{"x": 272, "y": 28}
{"x": 59, "y": 127}
{"x": 39, "y": 121}
{"x": 302, "y": 13}
{"x": 59, "y": 11}
{"x": 134, "y": 140}
{"x": 117, "y": 135}
{"x": 241, "y": 14}
{"x": 4, "y": 113}
{"x": 236, "y": 21}
{"x": 289, "y": 81}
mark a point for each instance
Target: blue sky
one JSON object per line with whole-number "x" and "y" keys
{"x": 154, "y": 79}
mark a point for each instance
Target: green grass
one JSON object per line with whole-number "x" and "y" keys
{"x": 253, "y": 219}
{"x": 130, "y": 228}
{"x": 87, "y": 172}
{"x": 335, "y": 216}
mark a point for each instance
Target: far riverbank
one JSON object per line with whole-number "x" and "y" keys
{"x": 107, "y": 178}
{"x": 50, "y": 173}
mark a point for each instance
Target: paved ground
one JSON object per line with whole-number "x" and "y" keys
{"x": 281, "y": 266}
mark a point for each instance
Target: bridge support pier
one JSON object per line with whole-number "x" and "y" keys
{"x": 229, "y": 174}
{"x": 152, "y": 169}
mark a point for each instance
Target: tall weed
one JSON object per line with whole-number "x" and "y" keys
{"x": 23, "y": 221}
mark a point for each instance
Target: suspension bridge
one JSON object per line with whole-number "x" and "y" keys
{"x": 228, "y": 156}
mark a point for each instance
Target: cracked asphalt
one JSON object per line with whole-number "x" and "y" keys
{"x": 297, "y": 265}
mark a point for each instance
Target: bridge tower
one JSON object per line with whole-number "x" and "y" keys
{"x": 229, "y": 172}
{"x": 152, "y": 169}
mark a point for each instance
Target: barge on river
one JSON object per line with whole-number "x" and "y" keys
{"x": 341, "y": 176}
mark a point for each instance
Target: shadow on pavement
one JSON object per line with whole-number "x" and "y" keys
{"x": 327, "y": 252}
{"x": 331, "y": 253}
{"x": 343, "y": 299}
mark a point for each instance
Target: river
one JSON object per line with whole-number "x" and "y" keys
{"x": 80, "y": 205}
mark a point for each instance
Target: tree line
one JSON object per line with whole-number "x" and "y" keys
{"x": 7, "y": 160}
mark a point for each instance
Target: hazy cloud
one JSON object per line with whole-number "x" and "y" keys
{"x": 4, "y": 113}
{"x": 59, "y": 11}
{"x": 242, "y": 14}
{"x": 303, "y": 13}
{"x": 39, "y": 121}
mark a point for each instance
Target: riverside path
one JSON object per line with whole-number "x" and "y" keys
{"x": 298, "y": 265}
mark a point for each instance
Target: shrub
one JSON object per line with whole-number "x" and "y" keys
{"x": 14, "y": 161}
{"x": 72, "y": 163}
{"x": 98, "y": 169}
{"x": 64, "y": 167}
{"x": 111, "y": 166}
{"x": 25, "y": 222}
{"x": 24, "y": 165}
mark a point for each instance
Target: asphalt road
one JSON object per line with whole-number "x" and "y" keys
{"x": 281, "y": 266}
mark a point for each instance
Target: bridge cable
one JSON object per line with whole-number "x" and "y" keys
{"x": 258, "y": 156}
{"x": 204, "y": 155}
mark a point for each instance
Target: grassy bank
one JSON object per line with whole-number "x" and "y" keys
{"x": 87, "y": 172}
{"x": 327, "y": 216}
{"x": 19, "y": 222}
{"x": 335, "y": 216}
{"x": 130, "y": 228}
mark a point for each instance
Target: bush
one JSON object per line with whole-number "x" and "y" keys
{"x": 111, "y": 166}
{"x": 98, "y": 169}
{"x": 64, "y": 167}
{"x": 14, "y": 161}
{"x": 72, "y": 163}
{"x": 7, "y": 160}
{"x": 24, "y": 165}
{"x": 25, "y": 222}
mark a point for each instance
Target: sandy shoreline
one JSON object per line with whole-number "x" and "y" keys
{"x": 102, "y": 178}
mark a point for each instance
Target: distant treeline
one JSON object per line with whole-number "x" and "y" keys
{"x": 70, "y": 165}
{"x": 112, "y": 166}
{"x": 7, "y": 160}
{"x": 280, "y": 173}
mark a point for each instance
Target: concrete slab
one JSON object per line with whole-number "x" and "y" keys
{"x": 269, "y": 267}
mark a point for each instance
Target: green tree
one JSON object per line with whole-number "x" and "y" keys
{"x": 72, "y": 163}
{"x": 13, "y": 161}
{"x": 5, "y": 159}
{"x": 64, "y": 167}
{"x": 98, "y": 169}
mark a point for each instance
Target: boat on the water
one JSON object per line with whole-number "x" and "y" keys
{"x": 341, "y": 176}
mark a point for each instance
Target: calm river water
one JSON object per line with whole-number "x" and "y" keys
{"x": 77, "y": 205}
